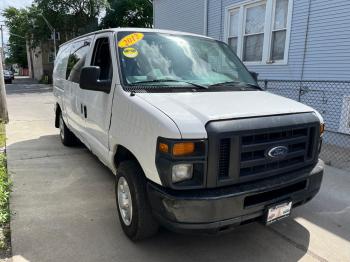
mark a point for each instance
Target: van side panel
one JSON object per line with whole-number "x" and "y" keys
{"x": 66, "y": 87}
{"x": 59, "y": 77}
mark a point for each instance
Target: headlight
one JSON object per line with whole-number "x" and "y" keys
{"x": 181, "y": 164}
{"x": 182, "y": 172}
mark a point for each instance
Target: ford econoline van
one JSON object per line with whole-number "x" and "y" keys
{"x": 195, "y": 143}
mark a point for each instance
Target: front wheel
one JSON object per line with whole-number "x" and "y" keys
{"x": 134, "y": 211}
{"x": 67, "y": 137}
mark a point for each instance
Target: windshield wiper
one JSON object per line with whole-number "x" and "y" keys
{"x": 169, "y": 80}
{"x": 235, "y": 84}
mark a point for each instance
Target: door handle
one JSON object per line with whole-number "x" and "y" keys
{"x": 85, "y": 112}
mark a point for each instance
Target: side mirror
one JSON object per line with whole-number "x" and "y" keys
{"x": 255, "y": 75}
{"x": 89, "y": 80}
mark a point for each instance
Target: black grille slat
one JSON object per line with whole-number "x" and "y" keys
{"x": 311, "y": 144}
{"x": 274, "y": 170}
{"x": 282, "y": 134}
{"x": 262, "y": 146}
{"x": 262, "y": 161}
{"x": 224, "y": 157}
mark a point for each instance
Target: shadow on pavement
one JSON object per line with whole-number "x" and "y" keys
{"x": 64, "y": 210}
{"x": 25, "y": 86}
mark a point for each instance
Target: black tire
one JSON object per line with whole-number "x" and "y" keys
{"x": 142, "y": 224}
{"x": 67, "y": 137}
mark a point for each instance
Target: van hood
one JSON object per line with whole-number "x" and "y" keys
{"x": 191, "y": 111}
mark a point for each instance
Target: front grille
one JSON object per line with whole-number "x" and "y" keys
{"x": 238, "y": 149}
{"x": 254, "y": 147}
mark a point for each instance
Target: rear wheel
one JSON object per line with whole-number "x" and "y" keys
{"x": 67, "y": 137}
{"x": 134, "y": 211}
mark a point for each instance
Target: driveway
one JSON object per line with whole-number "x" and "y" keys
{"x": 64, "y": 209}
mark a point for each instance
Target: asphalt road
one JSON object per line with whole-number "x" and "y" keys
{"x": 64, "y": 208}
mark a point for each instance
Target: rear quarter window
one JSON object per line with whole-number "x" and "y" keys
{"x": 61, "y": 62}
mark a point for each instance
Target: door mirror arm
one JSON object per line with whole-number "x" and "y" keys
{"x": 89, "y": 80}
{"x": 104, "y": 85}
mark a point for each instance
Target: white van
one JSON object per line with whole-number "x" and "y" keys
{"x": 195, "y": 143}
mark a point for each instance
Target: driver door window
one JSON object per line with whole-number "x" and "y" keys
{"x": 102, "y": 58}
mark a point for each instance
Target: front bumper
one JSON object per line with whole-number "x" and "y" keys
{"x": 223, "y": 208}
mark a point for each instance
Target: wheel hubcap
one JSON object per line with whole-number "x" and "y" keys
{"x": 61, "y": 128}
{"x": 124, "y": 201}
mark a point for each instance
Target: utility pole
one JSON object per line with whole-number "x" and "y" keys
{"x": 2, "y": 44}
{"x": 53, "y": 31}
{"x": 3, "y": 104}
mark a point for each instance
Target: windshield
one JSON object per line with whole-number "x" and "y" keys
{"x": 167, "y": 60}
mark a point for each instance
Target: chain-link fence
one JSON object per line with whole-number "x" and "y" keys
{"x": 332, "y": 100}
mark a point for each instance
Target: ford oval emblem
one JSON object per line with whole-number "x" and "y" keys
{"x": 278, "y": 152}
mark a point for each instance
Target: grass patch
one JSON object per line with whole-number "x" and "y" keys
{"x": 2, "y": 135}
{"x": 5, "y": 187}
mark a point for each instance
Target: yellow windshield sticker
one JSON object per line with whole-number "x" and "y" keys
{"x": 130, "y": 52}
{"x": 130, "y": 40}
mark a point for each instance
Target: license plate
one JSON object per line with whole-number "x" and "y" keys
{"x": 280, "y": 211}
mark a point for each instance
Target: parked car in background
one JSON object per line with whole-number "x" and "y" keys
{"x": 8, "y": 76}
{"x": 12, "y": 74}
{"x": 194, "y": 142}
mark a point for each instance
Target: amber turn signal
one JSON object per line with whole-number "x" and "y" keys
{"x": 322, "y": 127}
{"x": 183, "y": 149}
{"x": 164, "y": 148}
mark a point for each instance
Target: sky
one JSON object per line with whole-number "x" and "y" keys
{"x": 15, "y": 3}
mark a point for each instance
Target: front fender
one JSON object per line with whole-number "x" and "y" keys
{"x": 136, "y": 125}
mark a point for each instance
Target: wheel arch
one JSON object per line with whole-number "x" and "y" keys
{"x": 124, "y": 154}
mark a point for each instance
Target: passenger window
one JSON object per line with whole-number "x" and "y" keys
{"x": 76, "y": 61}
{"x": 102, "y": 58}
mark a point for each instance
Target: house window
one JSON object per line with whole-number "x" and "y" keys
{"x": 258, "y": 31}
{"x": 233, "y": 33}
{"x": 253, "y": 39}
{"x": 279, "y": 30}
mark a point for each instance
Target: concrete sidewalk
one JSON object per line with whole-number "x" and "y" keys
{"x": 64, "y": 209}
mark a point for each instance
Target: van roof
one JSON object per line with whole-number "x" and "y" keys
{"x": 134, "y": 29}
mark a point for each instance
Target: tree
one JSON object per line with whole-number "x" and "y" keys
{"x": 70, "y": 18}
{"x": 128, "y": 13}
{"x": 17, "y": 22}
